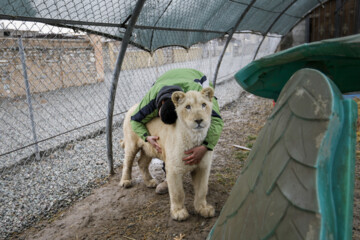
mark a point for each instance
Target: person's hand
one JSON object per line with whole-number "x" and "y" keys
{"x": 153, "y": 141}
{"x": 196, "y": 154}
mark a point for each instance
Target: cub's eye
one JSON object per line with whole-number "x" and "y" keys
{"x": 188, "y": 107}
{"x": 204, "y": 105}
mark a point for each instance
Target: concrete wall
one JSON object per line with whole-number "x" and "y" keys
{"x": 51, "y": 64}
{"x": 60, "y": 63}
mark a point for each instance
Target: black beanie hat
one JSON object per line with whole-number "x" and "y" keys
{"x": 168, "y": 114}
{"x": 164, "y": 93}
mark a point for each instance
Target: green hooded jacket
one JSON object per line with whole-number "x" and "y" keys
{"x": 186, "y": 79}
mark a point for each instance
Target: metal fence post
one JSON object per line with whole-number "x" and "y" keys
{"x": 115, "y": 80}
{"x": 28, "y": 97}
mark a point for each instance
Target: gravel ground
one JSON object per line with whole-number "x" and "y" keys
{"x": 35, "y": 190}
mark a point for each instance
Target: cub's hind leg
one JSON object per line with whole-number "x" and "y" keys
{"x": 130, "y": 153}
{"x": 144, "y": 162}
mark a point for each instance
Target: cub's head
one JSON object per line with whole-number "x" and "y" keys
{"x": 194, "y": 108}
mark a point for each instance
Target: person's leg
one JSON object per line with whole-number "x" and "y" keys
{"x": 162, "y": 188}
{"x": 144, "y": 162}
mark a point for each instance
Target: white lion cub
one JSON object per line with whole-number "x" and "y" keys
{"x": 194, "y": 118}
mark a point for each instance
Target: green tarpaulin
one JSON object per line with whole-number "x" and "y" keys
{"x": 167, "y": 22}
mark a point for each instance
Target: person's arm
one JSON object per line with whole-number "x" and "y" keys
{"x": 216, "y": 127}
{"x": 153, "y": 141}
{"x": 140, "y": 129}
{"x": 145, "y": 112}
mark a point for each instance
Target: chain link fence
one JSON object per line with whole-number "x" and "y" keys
{"x": 54, "y": 90}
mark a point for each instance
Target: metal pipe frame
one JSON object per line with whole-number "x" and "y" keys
{"x": 115, "y": 80}
{"x": 75, "y": 23}
{"x": 232, "y": 31}
{"x": 270, "y": 27}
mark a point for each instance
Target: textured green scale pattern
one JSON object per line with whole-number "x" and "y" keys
{"x": 292, "y": 186}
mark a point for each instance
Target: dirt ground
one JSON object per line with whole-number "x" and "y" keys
{"x": 111, "y": 212}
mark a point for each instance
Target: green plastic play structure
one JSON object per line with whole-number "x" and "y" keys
{"x": 338, "y": 58}
{"x": 299, "y": 179}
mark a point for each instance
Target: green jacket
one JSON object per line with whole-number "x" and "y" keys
{"x": 186, "y": 79}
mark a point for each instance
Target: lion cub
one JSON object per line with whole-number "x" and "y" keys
{"x": 194, "y": 118}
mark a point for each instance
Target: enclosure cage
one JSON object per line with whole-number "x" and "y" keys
{"x": 62, "y": 100}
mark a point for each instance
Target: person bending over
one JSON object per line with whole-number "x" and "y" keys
{"x": 157, "y": 103}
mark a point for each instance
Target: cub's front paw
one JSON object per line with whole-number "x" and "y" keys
{"x": 206, "y": 211}
{"x": 125, "y": 183}
{"x": 151, "y": 183}
{"x": 179, "y": 215}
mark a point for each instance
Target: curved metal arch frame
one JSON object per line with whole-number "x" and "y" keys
{"x": 270, "y": 27}
{"x": 115, "y": 80}
{"x": 232, "y": 31}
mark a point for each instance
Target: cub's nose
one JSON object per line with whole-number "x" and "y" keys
{"x": 198, "y": 121}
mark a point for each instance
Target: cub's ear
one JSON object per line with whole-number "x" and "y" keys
{"x": 177, "y": 98}
{"x": 208, "y": 93}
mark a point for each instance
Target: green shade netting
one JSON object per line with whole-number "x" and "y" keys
{"x": 176, "y": 22}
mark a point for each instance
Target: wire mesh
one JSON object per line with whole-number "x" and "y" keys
{"x": 69, "y": 75}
